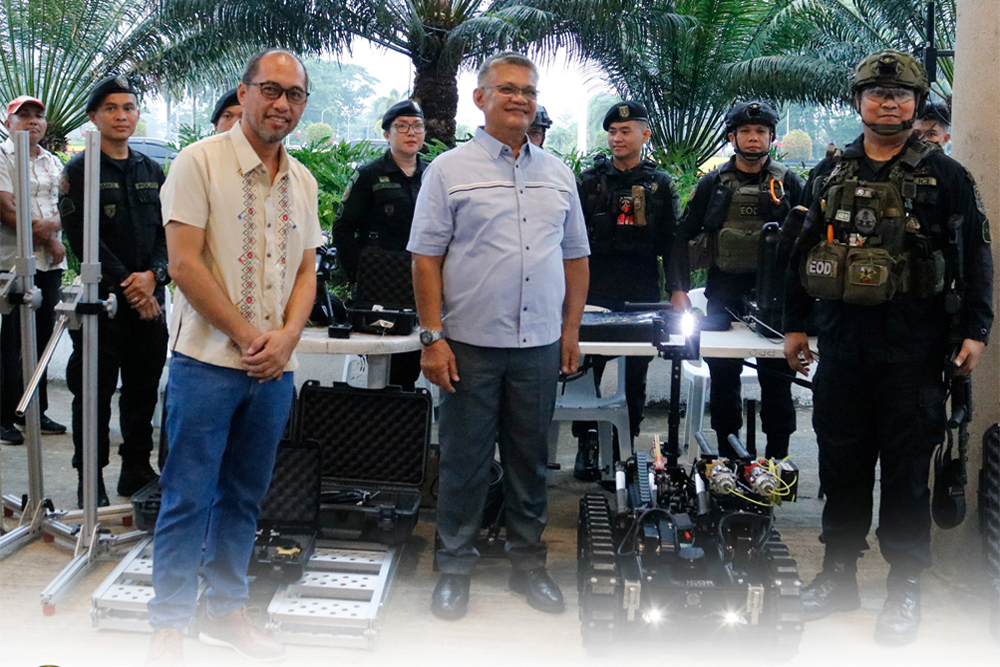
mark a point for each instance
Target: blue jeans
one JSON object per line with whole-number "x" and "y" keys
{"x": 223, "y": 429}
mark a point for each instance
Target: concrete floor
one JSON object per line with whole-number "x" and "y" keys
{"x": 500, "y": 628}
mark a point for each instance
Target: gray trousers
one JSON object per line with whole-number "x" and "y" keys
{"x": 505, "y": 396}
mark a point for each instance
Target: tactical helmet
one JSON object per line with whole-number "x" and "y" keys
{"x": 542, "y": 118}
{"x": 891, "y": 68}
{"x": 753, "y": 112}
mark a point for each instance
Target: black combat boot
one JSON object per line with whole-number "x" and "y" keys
{"x": 900, "y": 618}
{"x": 102, "y": 492}
{"x": 777, "y": 447}
{"x": 136, "y": 473}
{"x": 834, "y": 589}
{"x": 586, "y": 468}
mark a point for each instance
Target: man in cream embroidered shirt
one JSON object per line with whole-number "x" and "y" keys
{"x": 255, "y": 233}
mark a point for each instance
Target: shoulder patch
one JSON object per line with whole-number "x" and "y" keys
{"x": 975, "y": 189}
{"x": 350, "y": 184}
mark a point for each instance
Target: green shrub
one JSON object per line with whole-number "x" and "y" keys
{"x": 796, "y": 146}
{"x": 317, "y": 133}
{"x": 332, "y": 166}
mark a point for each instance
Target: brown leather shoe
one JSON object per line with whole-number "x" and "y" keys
{"x": 166, "y": 649}
{"x": 238, "y": 631}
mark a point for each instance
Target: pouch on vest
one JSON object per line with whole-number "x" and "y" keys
{"x": 639, "y": 205}
{"x": 927, "y": 275}
{"x": 602, "y": 233}
{"x": 718, "y": 207}
{"x": 823, "y": 271}
{"x": 700, "y": 251}
{"x": 869, "y": 280}
{"x": 737, "y": 250}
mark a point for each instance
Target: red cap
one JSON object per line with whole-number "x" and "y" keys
{"x": 21, "y": 101}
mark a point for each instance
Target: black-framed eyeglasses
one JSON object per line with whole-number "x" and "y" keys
{"x": 273, "y": 91}
{"x": 405, "y": 128}
{"x": 510, "y": 90}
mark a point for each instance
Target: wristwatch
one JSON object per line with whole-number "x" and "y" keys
{"x": 430, "y": 336}
{"x": 160, "y": 275}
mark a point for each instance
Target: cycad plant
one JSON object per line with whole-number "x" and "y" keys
{"x": 56, "y": 50}
{"x": 691, "y": 79}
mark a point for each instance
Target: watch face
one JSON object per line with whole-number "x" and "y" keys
{"x": 426, "y": 337}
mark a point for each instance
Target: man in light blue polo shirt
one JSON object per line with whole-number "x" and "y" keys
{"x": 500, "y": 276}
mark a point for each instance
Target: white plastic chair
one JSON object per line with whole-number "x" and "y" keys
{"x": 695, "y": 375}
{"x": 579, "y": 402}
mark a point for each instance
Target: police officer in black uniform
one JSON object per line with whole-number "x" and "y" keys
{"x": 377, "y": 209}
{"x": 227, "y": 112}
{"x": 877, "y": 265}
{"x": 933, "y": 124}
{"x": 539, "y": 126}
{"x": 730, "y": 206}
{"x": 133, "y": 255}
{"x": 631, "y": 211}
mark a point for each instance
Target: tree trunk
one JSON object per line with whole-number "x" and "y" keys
{"x": 55, "y": 143}
{"x": 435, "y": 87}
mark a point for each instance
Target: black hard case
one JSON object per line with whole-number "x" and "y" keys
{"x": 374, "y": 442}
{"x": 289, "y": 513}
{"x": 364, "y": 319}
{"x": 384, "y": 281}
{"x": 385, "y": 278}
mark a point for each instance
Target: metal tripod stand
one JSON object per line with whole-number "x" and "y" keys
{"x": 79, "y": 308}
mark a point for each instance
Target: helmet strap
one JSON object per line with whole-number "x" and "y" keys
{"x": 887, "y": 130}
{"x": 751, "y": 156}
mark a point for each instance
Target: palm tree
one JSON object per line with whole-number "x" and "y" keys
{"x": 56, "y": 50}
{"x": 439, "y": 36}
{"x": 691, "y": 79}
{"x": 841, "y": 33}
{"x": 858, "y": 27}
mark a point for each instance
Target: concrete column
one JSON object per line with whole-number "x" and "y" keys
{"x": 976, "y": 144}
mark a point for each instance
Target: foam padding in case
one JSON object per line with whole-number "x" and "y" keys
{"x": 293, "y": 498}
{"x": 385, "y": 278}
{"x": 367, "y": 436}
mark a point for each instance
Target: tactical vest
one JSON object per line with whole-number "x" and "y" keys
{"x": 874, "y": 247}
{"x": 623, "y": 213}
{"x": 738, "y": 224}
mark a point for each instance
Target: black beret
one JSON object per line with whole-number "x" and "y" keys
{"x": 109, "y": 86}
{"x": 404, "y": 108}
{"x": 228, "y": 99}
{"x": 623, "y": 112}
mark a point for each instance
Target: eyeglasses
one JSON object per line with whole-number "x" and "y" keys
{"x": 882, "y": 93}
{"x": 510, "y": 90}
{"x": 405, "y": 128}
{"x": 273, "y": 91}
